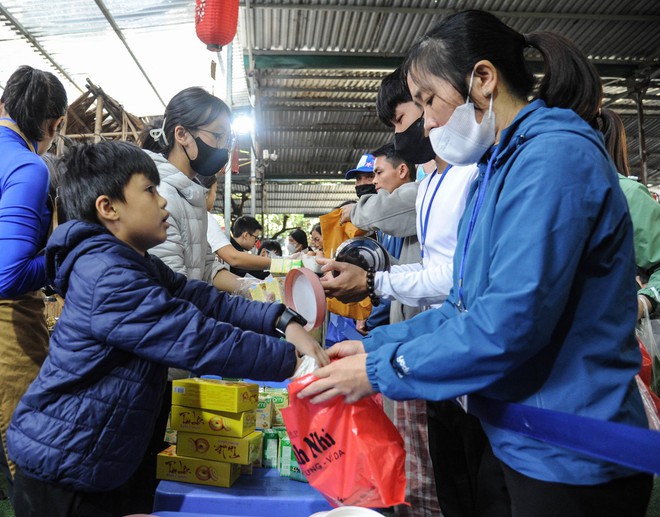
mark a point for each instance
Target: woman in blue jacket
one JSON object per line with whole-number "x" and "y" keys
{"x": 543, "y": 307}
{"x": 32, "y": 107}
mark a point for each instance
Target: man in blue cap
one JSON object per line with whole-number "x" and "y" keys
{"x": 363, "y": 175}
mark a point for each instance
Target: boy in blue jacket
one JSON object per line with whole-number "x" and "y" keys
{"x": 83, "y": 426}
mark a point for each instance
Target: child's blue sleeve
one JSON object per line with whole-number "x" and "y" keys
{"x": 133, "y": 313}
{"x": 249, "y": 315}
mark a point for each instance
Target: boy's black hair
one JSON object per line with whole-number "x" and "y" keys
{"x": 393, "y": 91}
{"x": 395, "y": 159}
{"x": 105, "y": 168}
{"x": 207, "y": 181}
{"x": 32, "y": 96}
{"x": 245, "y": 223}
{"x": 271, "y": 245}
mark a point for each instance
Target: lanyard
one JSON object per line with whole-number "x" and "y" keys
{"x": 423, "y": 225}
{"x": 481, "y": 194}
{"x": 10, "y": 124}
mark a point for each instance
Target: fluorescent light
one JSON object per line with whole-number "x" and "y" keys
{"x": 243, "y": 124}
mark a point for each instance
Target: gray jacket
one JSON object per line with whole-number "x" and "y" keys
{"x": 186, "y": 249}
{"x": 393, "y": 213}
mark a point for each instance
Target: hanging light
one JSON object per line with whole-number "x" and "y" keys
{"x": 216, "y": 22}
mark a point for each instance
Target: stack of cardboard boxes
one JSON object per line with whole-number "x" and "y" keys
{"x": 215, "y": 422}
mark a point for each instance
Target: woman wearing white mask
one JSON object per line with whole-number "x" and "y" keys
{"x": 543, "y": 307}
{"x": 297, "y": 242}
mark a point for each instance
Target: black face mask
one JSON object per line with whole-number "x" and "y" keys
{"x": 361, "y": 190}
{"x": 412, "y": 145}
{"x": 209, "y": 159}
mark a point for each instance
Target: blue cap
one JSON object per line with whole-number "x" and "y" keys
{"x": 365, "y": 165}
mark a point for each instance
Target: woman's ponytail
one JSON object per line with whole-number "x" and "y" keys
{"x": 570, "y": 80}
{"x": 32, "y": 96}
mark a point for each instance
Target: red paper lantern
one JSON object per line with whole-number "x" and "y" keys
{"x": 216, "y": 22}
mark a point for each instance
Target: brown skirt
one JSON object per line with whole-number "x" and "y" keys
{"x": 23, "y": 348}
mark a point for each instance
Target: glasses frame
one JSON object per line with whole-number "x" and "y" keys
{"x": 230, "y": 138}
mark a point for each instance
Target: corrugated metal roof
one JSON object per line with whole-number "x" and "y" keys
{"x": 318, "y": 65}
{"x": 309, "y": 198}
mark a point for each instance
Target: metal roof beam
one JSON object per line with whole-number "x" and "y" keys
{"x": 18, "y": 27}
{"x": 327, "y": 89}
{"x": 265, "y": 59}
{"x": 270, "y": 101}
{"x": 433, "y": 11}
{"x": 329, "y": 129}
{"x": 120, "y": 35}
{"x": 318, "y": 108}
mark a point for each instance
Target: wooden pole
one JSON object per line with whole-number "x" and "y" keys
{"x": 98, "y": 122}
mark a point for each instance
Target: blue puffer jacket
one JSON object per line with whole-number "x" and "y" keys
{"x": 550, "y": 298}
{"x": 84, "y": 423}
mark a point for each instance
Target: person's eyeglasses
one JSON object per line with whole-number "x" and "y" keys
{"x": 255, "y": 237}
{"x": 222, "y": 140}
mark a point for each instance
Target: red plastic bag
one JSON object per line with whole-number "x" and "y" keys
{"x": 351, "y": 453}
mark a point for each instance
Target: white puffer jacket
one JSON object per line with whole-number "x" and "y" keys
{"x": 186, "y": 249}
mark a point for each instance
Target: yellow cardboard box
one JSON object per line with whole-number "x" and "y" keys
{"x": 172, "y": 467}
{"x": 220, "y": 448}
{"x": 216, "y": 395}
{"x": 219, "y": 423}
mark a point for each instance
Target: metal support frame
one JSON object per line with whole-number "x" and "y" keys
{"x": 18, "y": 26}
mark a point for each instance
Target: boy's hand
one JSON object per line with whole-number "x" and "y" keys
{"x": 305, "y": 344}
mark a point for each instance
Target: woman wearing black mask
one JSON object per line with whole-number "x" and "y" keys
{"x": 194, "y": 137}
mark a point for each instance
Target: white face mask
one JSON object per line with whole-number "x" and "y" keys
{"x": 291, "y": 248}
{"x": 462, "y": 140}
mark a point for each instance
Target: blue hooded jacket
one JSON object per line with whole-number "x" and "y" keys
{"x": 549, "y": 294}
{"x": 85, "y": 422}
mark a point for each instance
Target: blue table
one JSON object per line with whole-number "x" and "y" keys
{"x": 263, "y": 494}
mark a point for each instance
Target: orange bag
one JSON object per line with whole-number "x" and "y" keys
{"x": 351, "y": 453}
{"x": 333, "y": 235}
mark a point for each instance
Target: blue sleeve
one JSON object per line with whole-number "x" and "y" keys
{"x": 133, "y": 313}
{"x": 243, "y": 313}
{"x": 536, "y": 235}
{"x": 23, "y": 195}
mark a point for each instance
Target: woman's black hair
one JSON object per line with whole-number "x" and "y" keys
{"x": 32, "y": 96}
{"x": 453, "y": 46}
{"x": 105, "y": 168}
{"x": 615, "y": 139}
{"x": 393, "y": 91}
{"x": 317, "y": 228}
{"x": 300, "y": 237}
{"x": 190, "y": 108}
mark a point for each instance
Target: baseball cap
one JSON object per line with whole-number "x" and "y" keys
{"x": 366, "y": 164}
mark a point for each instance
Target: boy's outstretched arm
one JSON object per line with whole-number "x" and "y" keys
{"x": 129, "y": 311}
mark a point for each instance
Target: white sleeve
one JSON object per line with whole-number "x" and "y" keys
{"x": 416, "y": 287}
{"x": 214, "y": 234}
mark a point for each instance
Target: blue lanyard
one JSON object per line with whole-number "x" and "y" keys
{"x": 481, "y": 194}
{"x": 425, "y": 224}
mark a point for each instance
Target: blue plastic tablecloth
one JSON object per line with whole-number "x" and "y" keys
{"x": 262, "y": 494}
